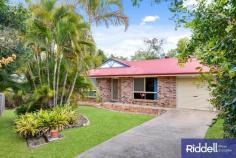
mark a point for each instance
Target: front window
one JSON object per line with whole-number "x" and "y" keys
{"x": 92, "y": 93}
{"x": 145, "y": 88}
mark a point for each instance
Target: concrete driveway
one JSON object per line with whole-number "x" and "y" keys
{"x": 157, "y": 138}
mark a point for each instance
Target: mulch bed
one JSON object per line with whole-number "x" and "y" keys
{"x": 38, "y": 141}
{"x": 82, "y": 121}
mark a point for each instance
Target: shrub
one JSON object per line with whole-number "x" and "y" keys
{"x": 39, "y": 99}
{"x": 69, "y": 113}
{"x": 26, "y": 108}
{"x": 13, "y": 98}
{"x": 41, "y": 122}
{"x": 28, "y": 125}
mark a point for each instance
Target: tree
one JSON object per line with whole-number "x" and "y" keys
{"x": 61, "y": 47}
{"x": 153, "y": 50}
{"x": 118, "y": 57}
{"x": 213, "y": 43}
{"x": 100, "y": 57}
{"x": 181, "y": 46}
{"x": 102, "y": 54}
{"x": 137, "y": 2}
{"x": 172, "y": 53}
{"x": 12, "y": 51}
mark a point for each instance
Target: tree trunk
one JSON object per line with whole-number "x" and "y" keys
{"x": 64, "y": 87}
{"x": 54, "y": 82}
{"x": 74, "y": 81}
{"x": 31, "y": 75}
{"x": 38, "y": 65}
{"x": 58, "y": 76}
{"x": 48, "y": 71}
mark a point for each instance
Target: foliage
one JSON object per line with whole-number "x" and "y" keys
{"x": 117, "y": 57}
{"x": 14, "y": 98}
{"x": 106, "y": 11}
{"x": 171, "y": 53}
{"x": 41, "y": 122}
{"x": 59, "y": 40}
{"x": 153, "y": 50}
{"x": 54, "y": 48}
{"x": 61, "y": 46}
{"x": 102, "y": 55}
{"x": 28, "y": 125}
{"x": 137, "y": 2}
{"x": 39, "y": 99}
{"x": 12, "y": 52}
{"x": 12, "y": 16}
{"x": 213, "y": 43}
{"x": 12, "y": 20}
{"x": 181, "y": 46}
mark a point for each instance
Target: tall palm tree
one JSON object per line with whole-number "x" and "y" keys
{"x": 60, "y": 40}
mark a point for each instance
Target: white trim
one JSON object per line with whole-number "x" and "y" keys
{"x": 111, "y": 63}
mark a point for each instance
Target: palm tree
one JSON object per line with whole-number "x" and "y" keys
{"x": 61, "y": 41}
{"x": 107, "y": 11}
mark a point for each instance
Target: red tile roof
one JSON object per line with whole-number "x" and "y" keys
{"x": 164, "y": 66}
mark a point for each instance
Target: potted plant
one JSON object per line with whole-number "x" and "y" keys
{"x": 54, "y": 133}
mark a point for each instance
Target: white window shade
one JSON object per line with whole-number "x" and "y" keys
{"x": 139, "y": 84}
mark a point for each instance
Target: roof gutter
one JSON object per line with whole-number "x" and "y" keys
{"x": 150, "y": 75}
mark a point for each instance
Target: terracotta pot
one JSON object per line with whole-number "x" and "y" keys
{"x": 54, "y": 133}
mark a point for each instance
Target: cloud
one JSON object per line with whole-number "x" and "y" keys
{"x": 191, "y": 3}
{"x": 148, "y": 19}
{"x": 114, "y": 40}
{"x": 174, "y": 39}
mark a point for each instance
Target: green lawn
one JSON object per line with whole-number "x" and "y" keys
{"x": 216, "y": 131}
{"x": 103, "y": 125}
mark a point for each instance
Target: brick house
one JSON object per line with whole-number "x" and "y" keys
{"x": 152, "y": 83}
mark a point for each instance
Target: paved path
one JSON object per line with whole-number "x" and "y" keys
{"x": 157, "y": 138}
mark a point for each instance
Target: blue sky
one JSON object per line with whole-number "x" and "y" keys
{"x": 145, "y": 22}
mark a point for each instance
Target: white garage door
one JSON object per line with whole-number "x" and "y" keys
{"x": 191, "y": 93}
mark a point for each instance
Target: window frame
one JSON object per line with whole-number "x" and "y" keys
{"x": 92, "y": 90}
{"x": 91, "y": 96}
{"x": 146, "y": 92}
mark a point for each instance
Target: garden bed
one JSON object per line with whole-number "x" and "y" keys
{"x": 34, "y": 142}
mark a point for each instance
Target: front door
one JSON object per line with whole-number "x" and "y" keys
{"x": 115, "y": 90}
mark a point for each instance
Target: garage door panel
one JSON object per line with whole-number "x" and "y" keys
{"x": 192, "y": 94}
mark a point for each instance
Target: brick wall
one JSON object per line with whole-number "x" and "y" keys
{"x": 166, "y": 89}
{"x": 132, "y": 108}
{"x": 104, "y": 88}
{"x": 126, "y": 90}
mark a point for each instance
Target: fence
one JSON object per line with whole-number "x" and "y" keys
{"x": 2, "y": 103}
